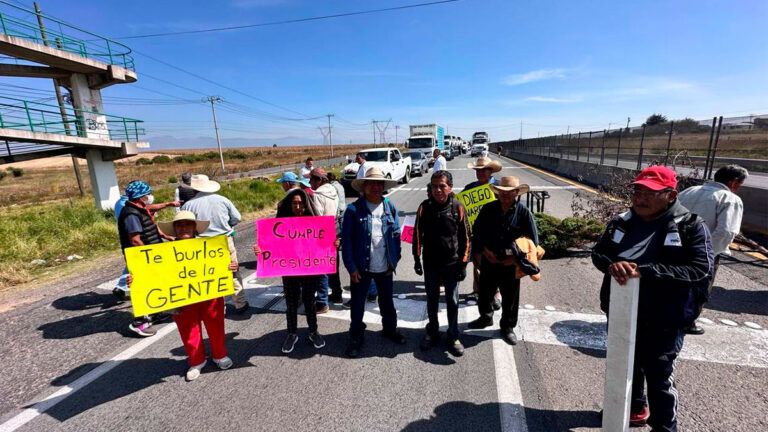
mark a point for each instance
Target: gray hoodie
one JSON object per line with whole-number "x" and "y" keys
{"x": 326, "y": 200}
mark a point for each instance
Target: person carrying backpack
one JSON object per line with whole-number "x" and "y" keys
{"x": 670, "y": 250}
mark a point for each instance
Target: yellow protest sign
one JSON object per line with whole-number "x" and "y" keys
{"x": 178, "y": 273}
{"x": 474, "y": 199}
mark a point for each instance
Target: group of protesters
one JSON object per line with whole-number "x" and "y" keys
{"x": 670, "y": 241}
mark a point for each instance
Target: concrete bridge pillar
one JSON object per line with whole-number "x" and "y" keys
{"x": 91, "y": 124}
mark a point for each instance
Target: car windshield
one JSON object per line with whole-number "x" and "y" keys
{"x": 375, "y": 156}
{"x": 420, "y": 143}
{"x": 415, "y": 155}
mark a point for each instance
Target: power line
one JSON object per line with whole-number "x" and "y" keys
{"x": 292, "y": 21}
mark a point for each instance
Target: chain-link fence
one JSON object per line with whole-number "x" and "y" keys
{"x": 694, "y": 144}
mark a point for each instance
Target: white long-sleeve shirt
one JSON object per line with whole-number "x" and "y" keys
{"x": 440, "y": 164}
{"x": 216, "y": 209}
{"x": 720, "y": 208}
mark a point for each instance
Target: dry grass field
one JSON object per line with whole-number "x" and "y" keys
{"x": 54, "y": 179}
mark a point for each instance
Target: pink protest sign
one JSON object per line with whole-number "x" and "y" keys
{"x": 407, "y": 232}
{"x": 296, "y": 246}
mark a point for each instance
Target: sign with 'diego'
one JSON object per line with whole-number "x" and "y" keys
{"x": 474, "y": 199}
{"x": 296, "y": 246}
{"x": 174, "y": 274}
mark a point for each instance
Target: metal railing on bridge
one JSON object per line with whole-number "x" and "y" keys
{"x": 22, "y": 23}
{"x": 31, "y": 116}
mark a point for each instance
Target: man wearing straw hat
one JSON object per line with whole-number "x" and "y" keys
{"x": 371, "y": 250}
{"x": 498, "y": 225}
{"x": 484, "y": 169}
{"x": 222, "y": 216}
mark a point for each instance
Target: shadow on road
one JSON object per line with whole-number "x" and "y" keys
{"x": 585, "y": 337}
{"x": 85, "y": 301}
{"x": 738, "y": 301}
{"x": 462, "y": 416}
{"x": 109, "y": 316}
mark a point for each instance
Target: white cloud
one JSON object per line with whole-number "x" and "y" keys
{"x": 535, "y": 75}
{"x": 548, "y": 99}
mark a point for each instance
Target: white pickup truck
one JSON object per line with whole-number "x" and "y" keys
{"x": 388, "y": 160}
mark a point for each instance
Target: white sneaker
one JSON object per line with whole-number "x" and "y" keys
{"x": 194, "y": 372}
{"x": 223, "y": 363}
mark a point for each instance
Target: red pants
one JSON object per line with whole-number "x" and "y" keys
{"x": 189, "y": 320}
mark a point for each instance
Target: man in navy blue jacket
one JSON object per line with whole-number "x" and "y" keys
{"x": 669, "y": 249}
{"x": 370, "y": 235}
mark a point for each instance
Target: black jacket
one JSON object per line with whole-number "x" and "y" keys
{"x": 442, "y": 232}
{"x": 150, "y": 233}
{"x": 498, "y": 231}
{"x": 675, "y": 261}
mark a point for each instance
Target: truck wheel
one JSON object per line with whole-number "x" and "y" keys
{"x": 407, "y": 176}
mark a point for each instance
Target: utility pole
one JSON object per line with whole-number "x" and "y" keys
{"x": 59, "y": 98}
{"x": 382, "y": 131}
{"x": 397, "y": 127}
{"x": 330, "y": 136}
{"x": 214, "y": 100}
{"x": 373, "y": 123}
{"x": 628, "y": 124}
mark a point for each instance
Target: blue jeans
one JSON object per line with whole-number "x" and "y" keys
{"x": 386, "y": 304}
{"x": 448, "y": 276}
{"x": 322, "y": 290}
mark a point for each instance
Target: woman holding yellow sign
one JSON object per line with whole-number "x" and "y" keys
{"x": 190, "y": 319}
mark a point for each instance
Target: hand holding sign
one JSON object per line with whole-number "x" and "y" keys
{"x": 296, "y": 246}
{"x": 474, "y": 199}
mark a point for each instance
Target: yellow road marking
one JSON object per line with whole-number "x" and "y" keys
{"x": 757, "y": 255}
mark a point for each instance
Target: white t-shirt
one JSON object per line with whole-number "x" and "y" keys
{"x": 440, "y": 164}
{"x": 378, "y": 262}
{"x": 305, "y": 171}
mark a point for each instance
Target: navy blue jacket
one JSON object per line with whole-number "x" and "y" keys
{"x": 356, "y": 236}
{"x": 675, "y": 259}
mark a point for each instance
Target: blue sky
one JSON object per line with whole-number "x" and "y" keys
{"x": 469, "y": 65}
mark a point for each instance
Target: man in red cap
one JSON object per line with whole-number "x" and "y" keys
{"x": 669, "y": 249}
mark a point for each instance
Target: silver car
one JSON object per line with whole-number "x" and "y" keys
{"x": 419, "y": 163}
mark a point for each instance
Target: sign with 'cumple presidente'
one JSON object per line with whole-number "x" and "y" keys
{"x": 296, "y": 246}
{"x": 474, "y": 199}
{"x": 174, "y": 274}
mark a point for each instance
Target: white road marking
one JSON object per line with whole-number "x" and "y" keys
{"x": 720, "y": 344}
{"x": 30, "y": 413}
{"x": 728, "y": 322}
{"x": 752, "y": 325}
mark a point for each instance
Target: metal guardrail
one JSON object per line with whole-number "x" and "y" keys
{"x": 66, "y": 37}
{"x": 39, "y": 117}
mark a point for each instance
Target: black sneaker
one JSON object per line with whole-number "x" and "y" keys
{"x": 395, "y": 337}
{"x": 353, "y": 350}
{"x": 509, "y": 336}
{"x": 479, "y": 323}
{"x": 347, "y": 304}
{"x": 120, "y": 295}
{"x": 317, "y": 340}
{"x": 290, "y": 342}
{"x": 471, "y": 297}
{"x": 335, "y": 298}
{"x": 694, "y": 329}
{"x": 372, "y": 298}
{"x": 143, "y": 329}
{"x": 456, "y": 348}
{"x": 428, "y": 341}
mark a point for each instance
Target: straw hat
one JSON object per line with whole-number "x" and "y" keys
{"x": 510, "y": 183}
{"x": 202, "y": 183}
{"x": 167, "y": 227}
{"x": 373, "y": 174}
{"x": 485, "y": 162}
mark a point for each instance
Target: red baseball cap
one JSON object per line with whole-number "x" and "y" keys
{"x": 657, "y": 178}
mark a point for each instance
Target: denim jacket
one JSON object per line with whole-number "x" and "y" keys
{"x": 356, "y": 236}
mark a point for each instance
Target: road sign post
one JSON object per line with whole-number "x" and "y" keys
{"x": 620, "y": 358}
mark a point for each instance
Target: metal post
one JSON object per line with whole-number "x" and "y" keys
{"x": 714, "y": 147}
{"x": 330, "y": 137}
{"x": 29, "y": 117}
{"x": 620, "y": 356}
{"x": 213, "y": 100}
{"x": 578, "y": 145}
{"x": 709, "y": 163}
{"x": 669, "y": 141}
{"x": 602, "y": 150}
{"x": 618, "y": 147}
{"x": 589, "y": 146}
{"x": 640, "y": 155}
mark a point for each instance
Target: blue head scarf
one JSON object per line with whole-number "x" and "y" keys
{"x": 137, "y": 189}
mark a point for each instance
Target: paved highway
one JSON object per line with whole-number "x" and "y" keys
{"x": 69, "y": 366}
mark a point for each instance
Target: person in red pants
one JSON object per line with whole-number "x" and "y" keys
{"x": 190, "y": 319}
